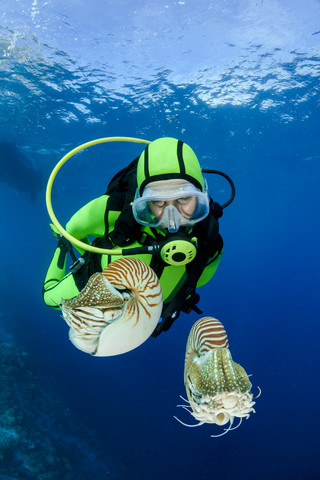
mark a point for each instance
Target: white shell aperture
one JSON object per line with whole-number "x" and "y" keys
{"x": 117, "y": 310}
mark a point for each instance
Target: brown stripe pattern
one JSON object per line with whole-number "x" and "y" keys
{"x": 206, "y": 334}
{"x": 126, "y": 296}
{"x": 141, "y": 281}
{"x": 97, "y": 304}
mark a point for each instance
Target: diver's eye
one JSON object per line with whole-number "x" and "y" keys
{"x": 184, "y": 200}
{"x": 158, "y": 203}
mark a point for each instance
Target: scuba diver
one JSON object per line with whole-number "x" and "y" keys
{"x": 159, "y": 209}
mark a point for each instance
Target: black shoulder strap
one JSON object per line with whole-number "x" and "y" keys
{"x": 207, "y": 231}
{"x": 172, "y": 310}
{"x": 123, "y": 180}
{"x": 122, "y": 189}
{"x": 210, "y": 246}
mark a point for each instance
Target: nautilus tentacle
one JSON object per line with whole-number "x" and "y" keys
{"x": 218, "y": 389}
{"x": 117, "y": 310}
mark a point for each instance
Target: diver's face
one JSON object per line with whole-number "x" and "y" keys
{"x": 185, "y": 205}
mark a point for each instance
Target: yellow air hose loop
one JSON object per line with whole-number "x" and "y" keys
{"x": 54, "y": 172}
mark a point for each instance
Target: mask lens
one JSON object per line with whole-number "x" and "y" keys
{"x": 175, "y": 207}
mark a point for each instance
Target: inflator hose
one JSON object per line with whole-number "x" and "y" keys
{"x": 54, "y": 172}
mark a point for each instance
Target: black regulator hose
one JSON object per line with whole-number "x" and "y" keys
{"x": 233, "y": 188}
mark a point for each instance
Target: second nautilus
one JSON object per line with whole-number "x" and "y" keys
{"x": 218, "y": 389}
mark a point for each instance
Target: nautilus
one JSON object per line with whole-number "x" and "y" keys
{"x": 116, "y": 311}
{"x": 218, "y": 389}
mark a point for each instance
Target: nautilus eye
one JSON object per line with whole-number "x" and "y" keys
{"x": 218, "y": 389}
{"x": 117, "y": 310}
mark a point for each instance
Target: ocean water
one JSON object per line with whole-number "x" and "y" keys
{"x": 239, "y": 82}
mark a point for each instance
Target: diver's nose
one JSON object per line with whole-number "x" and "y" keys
{"x": 173, "y": 224}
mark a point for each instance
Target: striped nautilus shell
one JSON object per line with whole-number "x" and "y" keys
{"x": 218, "y": 389}
{"x": 117, "y": 310}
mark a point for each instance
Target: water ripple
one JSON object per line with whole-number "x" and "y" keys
{"x": 78, "y": 66}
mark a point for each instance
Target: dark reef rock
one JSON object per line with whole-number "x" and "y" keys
{"x": 39, "y": 437}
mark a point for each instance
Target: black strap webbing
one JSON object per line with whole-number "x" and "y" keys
{"x": 172, "y": 310}
{"x": 180, "y": 157}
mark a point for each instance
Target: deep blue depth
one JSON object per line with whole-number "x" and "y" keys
{"x": 116, "y": 414}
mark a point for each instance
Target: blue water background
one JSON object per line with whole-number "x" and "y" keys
{"x": 239, "y": 82}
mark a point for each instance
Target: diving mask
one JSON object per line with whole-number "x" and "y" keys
{"x": 171, "y": 207}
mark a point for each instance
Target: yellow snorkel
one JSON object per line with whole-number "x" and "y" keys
{"x": 54, "y": 172}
